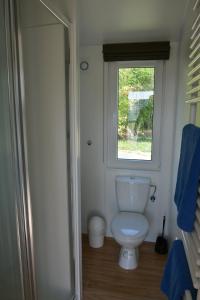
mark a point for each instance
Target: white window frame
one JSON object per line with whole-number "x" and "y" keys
{"x": 111, "y": 116}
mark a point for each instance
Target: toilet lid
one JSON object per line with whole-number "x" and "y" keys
{"x": 129, "y": 225}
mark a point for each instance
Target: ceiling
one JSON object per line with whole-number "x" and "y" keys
{"x": 107, "y": 21}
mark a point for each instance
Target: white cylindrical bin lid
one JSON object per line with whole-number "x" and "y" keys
{"x": 96, "y": 228}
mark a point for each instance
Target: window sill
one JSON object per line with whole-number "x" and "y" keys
{"x": 134, "y": 165}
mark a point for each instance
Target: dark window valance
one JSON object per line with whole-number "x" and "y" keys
{"x": 136, "y": 51}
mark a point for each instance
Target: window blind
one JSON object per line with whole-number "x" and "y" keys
{"x": 136, "y": 51}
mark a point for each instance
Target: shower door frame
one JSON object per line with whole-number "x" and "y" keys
{"x": 18, "y": 123}
{"x": 74, "y": 106}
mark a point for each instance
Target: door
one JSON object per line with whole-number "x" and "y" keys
{"x": 46, "y": 112}
{"x": 45, "y": 47}
{"x": 12, "y": 256}
{"x": 36, "y": 241}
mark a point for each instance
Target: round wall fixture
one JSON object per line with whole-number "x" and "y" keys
{"x": 84, "y": 65}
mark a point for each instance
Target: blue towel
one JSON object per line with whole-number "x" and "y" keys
{"x": 188, "y": 177}
{"x": 176, "y": 278}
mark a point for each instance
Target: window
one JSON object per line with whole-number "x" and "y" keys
{"x": 133, "y": 112}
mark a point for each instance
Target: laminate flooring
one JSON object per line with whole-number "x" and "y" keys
{"x": 103, "y": 279}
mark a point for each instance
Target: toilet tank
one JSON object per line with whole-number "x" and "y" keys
{"x": 132, "y": 193}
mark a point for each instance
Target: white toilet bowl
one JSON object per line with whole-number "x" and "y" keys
{"x": 129, "y": 230}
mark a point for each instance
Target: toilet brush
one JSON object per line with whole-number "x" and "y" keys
{"x": 161, "y": 245}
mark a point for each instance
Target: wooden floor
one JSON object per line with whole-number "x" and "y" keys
{"x": 103, "y": 279}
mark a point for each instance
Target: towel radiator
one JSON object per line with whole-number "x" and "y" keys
{"x": 191, "y": 241}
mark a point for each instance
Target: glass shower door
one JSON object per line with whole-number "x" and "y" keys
{"x": 11, "y": 286}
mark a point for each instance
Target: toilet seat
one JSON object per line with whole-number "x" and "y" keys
{"x": 128, "y": 226}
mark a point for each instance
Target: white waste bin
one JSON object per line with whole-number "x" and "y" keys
{"x": 96, "y": 228}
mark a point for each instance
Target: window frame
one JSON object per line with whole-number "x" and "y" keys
{"x": 111, "y": 115}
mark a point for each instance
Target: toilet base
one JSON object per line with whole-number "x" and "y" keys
{"x": 128, "y": 258}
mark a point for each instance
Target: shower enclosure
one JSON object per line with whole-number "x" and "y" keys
{"x": 36, "y": 211}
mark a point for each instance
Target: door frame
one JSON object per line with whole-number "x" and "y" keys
{"x": 74, "y": 146}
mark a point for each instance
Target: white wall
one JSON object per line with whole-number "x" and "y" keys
{"x": 98, "y": 181}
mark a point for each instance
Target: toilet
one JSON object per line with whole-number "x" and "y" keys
{"x": 130, "y": 227}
